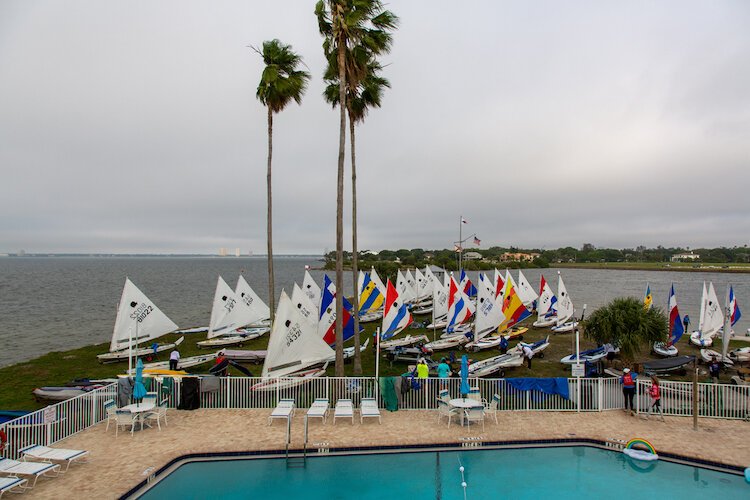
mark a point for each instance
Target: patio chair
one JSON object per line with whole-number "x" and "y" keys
{"x": 111, "y": 409}
{"x": 28, "y": 470}
{"x": 444, "y": 395}
{"x": 491, "y": 408}
{"x": 474, "y": 394}
{"x": 62, "y": 456}
{"x": 7, "y": 484}
{"x": 445, "y": 410}
{"x": 344, "y": 409}
{"x": 319, "y": 409}
{"x": 474, "y": 415}
{"x": 368, "y": 408}
{"x": 124, "y": 418}
{"x": 284, "y": 410}
{"x": 159, "y": 413}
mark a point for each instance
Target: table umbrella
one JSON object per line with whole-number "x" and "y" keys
{"x": 464, "y": 375}
{"x": 139, "y": 390}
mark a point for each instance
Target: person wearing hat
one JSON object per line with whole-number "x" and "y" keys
{"x": 628, "y": 388}
{"x": 423, "y": 371}
{"x": 443, "y": 370}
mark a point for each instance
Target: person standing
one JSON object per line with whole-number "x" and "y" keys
{"x": 655, "y": 393}
{"x": 503, "y": 344}
{"x": 714, "y": 369}
{"x": 174, "y": 359}
{"x": 423, "y": 371}
{"x": 528, "y": 354}
{"x": 628, "y": 388}
{"x": 443, "y": 371}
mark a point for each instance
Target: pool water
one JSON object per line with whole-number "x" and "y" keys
{"x": 564, "y": 472}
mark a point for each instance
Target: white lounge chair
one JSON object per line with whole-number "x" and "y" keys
{"x": 445, "y": 410}
{"x": 491, "y": 408}
{"x": 28, "y": 470}
{"x": 284, "y": 409}
{"x": 319, "y": 409}
{"x": 60, "y": 456}
{"x": 344, "y": 409}
{"x": 474, "y": 415}
{"x": 368, "y": 408}
{"x": 11, "y": 483}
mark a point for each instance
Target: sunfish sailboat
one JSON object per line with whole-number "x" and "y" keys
{"x": 711, "y": 319}
{"x": 525, "y": 291}
{"x": 565, "y": 310}
{"x": 546, "y": 307}
{"x": 460, "y": 310}
{"x": 327, "y": 319}
{"x": 676, "y": 329}
{"x": 371, "y": 296}
{"x": 138, "y": 321}
{"x": 440, "y": 304}
{"x": 296, "y": 350}
{"x": 489, "y": 315}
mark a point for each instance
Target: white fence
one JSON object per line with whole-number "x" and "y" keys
{"x": 61, "y": 420}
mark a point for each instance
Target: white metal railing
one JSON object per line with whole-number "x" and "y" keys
{"x": 57, "y": 421}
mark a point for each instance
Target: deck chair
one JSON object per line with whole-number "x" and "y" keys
{"x": 491, "y": 408}
{"x": 60, "y": 456}
{"x": 474, "y": 415}
{"x": 474, "y": 394}
{"x": 28, "y": 470}
{"x": 11, "y": 483}
{"x": 159, "y": 413}
{"x": 284, "y": 409}
{"x": 344, "y": 409}
{"x": 368, "y": 408}
{"x": 124, "y": 418}
{"x": 319, "y": 409}
{"x": 111, "y": 408}
{"x": 445, "y": 410}
{"x": 444, "y": 395}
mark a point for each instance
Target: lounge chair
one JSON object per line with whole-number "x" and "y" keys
{"x": 491, "y": 408}
{"x": 344, "y": 409}
{"x": 111, "y": 408}
{"x": 445, "y": 410}
{"x": 60, "y": 456}
{"x": 319, "y": 409}
{"x": 28, "y": 470}
{"x": 474, "y": 415}
{"x": 368, "y": 408}
{"x": 11, "y": 483}
{"x": 284, "y": 409}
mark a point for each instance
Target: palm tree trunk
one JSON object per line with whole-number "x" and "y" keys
{"x": 355, "y": 269}
{"x": 340, "y": 215}
{"x": 269, "y": 222}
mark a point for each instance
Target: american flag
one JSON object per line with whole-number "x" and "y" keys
{"x": 477, "y": 241}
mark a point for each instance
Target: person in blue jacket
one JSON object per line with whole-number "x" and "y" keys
{"x": 628, "y": 388}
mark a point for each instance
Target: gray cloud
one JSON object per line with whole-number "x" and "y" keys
{"x": 136, "y": 128}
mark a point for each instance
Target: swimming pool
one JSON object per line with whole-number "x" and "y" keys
{"x": 559, "y": 472}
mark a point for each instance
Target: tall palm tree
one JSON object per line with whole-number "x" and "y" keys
{"x": 367, "y": 94}
{"x": 345, "y": 24}
{"x": 280, "y": 83}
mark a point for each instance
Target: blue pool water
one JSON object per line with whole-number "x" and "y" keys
{"x": 566, "y": 472}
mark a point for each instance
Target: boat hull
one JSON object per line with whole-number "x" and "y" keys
{"x": 495, "y": 364}
{"x": 667, "y": 351}
{"x": 545, "y": 323}
{"x": 292, "y": 380}
{"x": 707, "y": 356}
{"x": 565, "y": 327}
{"x": 241, "y": 336}
{"x": 403, "y": 342}
{"x": 114, "y": 357}
{"x": 696, "y": 338}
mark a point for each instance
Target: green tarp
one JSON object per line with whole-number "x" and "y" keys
{"x": 388, "y": 393}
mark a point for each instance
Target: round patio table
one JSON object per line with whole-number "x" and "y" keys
{"x": 464, "y": 404}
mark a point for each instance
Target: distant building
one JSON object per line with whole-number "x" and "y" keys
{"x": 685, "y": 257}
{"x": 518, "y": 257}
{"x": 472, "y": 256}
{"x": 237, "y": 252}
{"x": 223, "y": 252}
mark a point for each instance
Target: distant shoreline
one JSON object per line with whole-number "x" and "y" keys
{"x": 657, "y": 266}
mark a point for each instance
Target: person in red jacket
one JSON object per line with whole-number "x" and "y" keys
{"x": 655, "y": 393}
{"x": 628, "y": 388}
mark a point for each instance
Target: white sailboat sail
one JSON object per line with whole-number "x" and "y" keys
{"x": 565, "y": 309}
{"x": 421, "y": 286}
{"x": 294, "y": 343}
{"x": 489, "y": 314}
{"x": 525, "y": 291}
{"x": 137, "y": 316}
{"x": 430, "y": 280}
{"x": 252, "y": 309}
{"x": 545, "y": 299}
{"x": 713, "y": 318}
{"x": 225, "y": 311}
{"x": 702, "y": 315}
{"x": 411, "y": 282}
{"x": 403, "y": 288}
{"x": 378, "y": 282}
{"x": 312, "y": 290}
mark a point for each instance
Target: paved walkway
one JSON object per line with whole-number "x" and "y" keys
{"x": 116, "y": 465}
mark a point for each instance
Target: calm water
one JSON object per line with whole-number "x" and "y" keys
{"x": 570, "y": 472}
{"x": 60, "y": 303}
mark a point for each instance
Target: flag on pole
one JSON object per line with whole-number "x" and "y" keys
{"x": 477, "y": 241}
{"x": 734, "y": 309}
{"x": 464, "y": 220}
{"x": 648, "y": 300}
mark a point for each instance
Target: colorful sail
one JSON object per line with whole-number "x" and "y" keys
{"x": 676, "y": 328}
{"x": 370, "y": 298}
{"x": 327, "y": 318}
{"x": 460, "y": 307}
{"x": 648, "y": 300}
{"x": 396, "y": 315}
{"x": 734, "y": 309}
{"x": 467, "y": 286}
{"x": 499, "y": 283}
{"x": 513, "y": 308}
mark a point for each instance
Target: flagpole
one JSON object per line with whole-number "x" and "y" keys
{"x": 377, "y": 355}
{"x": 727, "y": 327}
{"x": 460, "y": 234}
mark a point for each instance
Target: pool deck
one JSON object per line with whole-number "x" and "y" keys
{"x": 117, "y": 465}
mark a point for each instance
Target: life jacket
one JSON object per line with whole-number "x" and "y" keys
{"x": 655, "y": 391}
{"x": 627, "y": 380}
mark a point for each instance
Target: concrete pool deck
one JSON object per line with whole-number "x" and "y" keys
{"x": 117, "y": 465}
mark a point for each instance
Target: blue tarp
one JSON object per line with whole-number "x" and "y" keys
{"x": 557, "y": 385}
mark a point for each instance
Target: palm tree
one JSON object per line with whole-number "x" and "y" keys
{"x": 367, "y": 94}
{"x": 280, "y": 83}
{"x": 625, "y": 323}
{"x": 346, "y": 24}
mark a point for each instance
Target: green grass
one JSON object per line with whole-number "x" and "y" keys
{"x": 59, "y": 368}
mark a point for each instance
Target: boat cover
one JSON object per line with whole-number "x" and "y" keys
{"x": 556, "y": 385}
{"x": 667, "y": 364}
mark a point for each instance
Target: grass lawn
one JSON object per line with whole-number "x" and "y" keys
{"x": 59, "y": 368}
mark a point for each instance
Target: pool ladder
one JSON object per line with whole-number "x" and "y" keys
{"x": 295, "y": 462}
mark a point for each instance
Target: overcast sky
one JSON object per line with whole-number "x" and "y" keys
{"x": 133, "y": 127}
